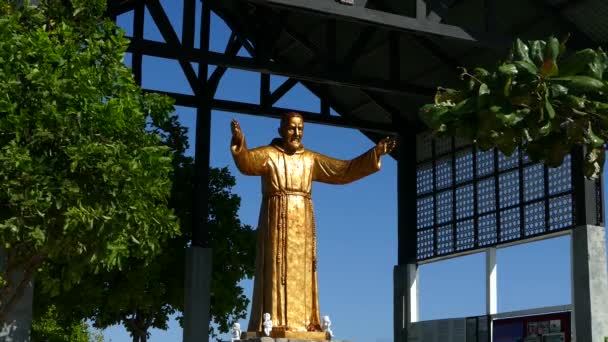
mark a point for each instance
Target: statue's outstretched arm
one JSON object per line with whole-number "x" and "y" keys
{"x": 335, "y": 171}
{"x": 386, "y": 146}
{"x": 238, "y": 139}
{"x": 249, "y": 162}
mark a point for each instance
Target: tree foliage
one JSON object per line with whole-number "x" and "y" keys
{"x": 51, "y": 327}
{"x": 141, "y": 298}
{"x": 96, "y": 182}
{"x": 539, "y": 97}
{"x": 85, "y": 185}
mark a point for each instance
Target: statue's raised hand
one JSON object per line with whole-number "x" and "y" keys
{"x": 237, "y": 135}
{"x": 386, "y": 145}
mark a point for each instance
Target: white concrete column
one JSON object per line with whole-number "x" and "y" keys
{"x": 589, "y": 284}
{"x": 413, "y": 314}
{"x": 491, "y": 285}
{"x": 405, "y": 300}
{"x": 196, "y": 294}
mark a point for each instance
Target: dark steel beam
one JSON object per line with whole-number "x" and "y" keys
{"x": 188, "y": 23}
{"x": 138, "y": 32}
{"x": 166, "y": 29}
{"x": 235, "y": 26}
{"x": 325, "y": 105}
{"x": 264, "y": 90}
{"x": 394, "y": 57}
{"x": 200, "y": 229}
{"x": 438, "y": 53}
{"x": 386, "y": 20}
{"x": 276, "y": 112}
{"x": 332, "y": 77}
{"x": 369, "y": 92}
{"x": 406, "y": 194}
{"x": 431, "y": 47}
{"x": 358, "y": 46}
{"x": 232, "y": 48}
{"x": 278, "y": 93}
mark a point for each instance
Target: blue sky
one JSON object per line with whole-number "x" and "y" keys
{"x": 357, "y": 223}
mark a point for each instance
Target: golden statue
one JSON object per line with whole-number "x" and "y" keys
{"x": 285, "y": 283}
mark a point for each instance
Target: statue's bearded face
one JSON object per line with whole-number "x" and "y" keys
{"x": 291, "y": 132}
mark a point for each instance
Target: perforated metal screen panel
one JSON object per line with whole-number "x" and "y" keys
{"x": 470, "y": 199}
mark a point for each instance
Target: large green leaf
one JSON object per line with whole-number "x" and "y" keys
{"x": 526, "y": 66}
{"x": 431, "y": 115}
{"x": 536, "y": 52}
{"x": 580, "y": 84}
{"x": 508, "y": 69}
{"x": 522, "y": 51}
{"x": 576, "y": 63}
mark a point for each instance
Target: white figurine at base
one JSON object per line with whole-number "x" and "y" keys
{"x": 267, "y": 324}
{"x": 236, "y": 332}
{"x": 327, "y": 326}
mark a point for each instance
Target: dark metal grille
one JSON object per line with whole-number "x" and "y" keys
{"x": 509, "y": 225}
{"x": 560, "y": 212}
{"x": 445, "y": 239}
{"x": 424, "y": 178}
{"x": 425, "y": 244}
{"x": 444, "y": 173}
{"x": 425, "y": 212}
{"x": 465, "y": 201}
{"x": 509, "y": 189}
{"x": 464, "y": 166}
{"x": 469, "y": 199}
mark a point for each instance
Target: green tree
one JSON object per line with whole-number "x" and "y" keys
{"x": 85, "y": 185}
{"x": 539, "y": 97}
{"x": 141, "y": 298}
{"x": 51, "y": 327}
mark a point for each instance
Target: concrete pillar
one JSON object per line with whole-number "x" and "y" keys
{"x": 405, "y": 300}
{"x": 17, "y": 326}
{"x": 589, "y": 284}
{"x": 491, "y": 286}
{"x": 196, "y": 296}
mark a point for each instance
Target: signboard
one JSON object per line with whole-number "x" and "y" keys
{"x": 553, "y": 327}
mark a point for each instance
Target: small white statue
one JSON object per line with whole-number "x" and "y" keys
{"x": 236, "y": 332}
{"x": 267, "y": 324}
{"x": 327, "y": 326}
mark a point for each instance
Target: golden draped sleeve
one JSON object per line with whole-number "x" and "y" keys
{"x": 335, "y": 171}
{"x": 250, "y": 162}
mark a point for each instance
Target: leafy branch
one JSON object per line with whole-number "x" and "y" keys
{"x": 540, "y": 98}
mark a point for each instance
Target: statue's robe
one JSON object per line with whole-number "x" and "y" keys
{"x": 285, "y": 283}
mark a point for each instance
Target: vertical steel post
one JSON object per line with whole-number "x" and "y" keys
{"x": 406, "y": 272}
{"x": 198, "y": 256}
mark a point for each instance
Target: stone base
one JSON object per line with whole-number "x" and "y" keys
{"x": 270, "y": 339}
{"x": 285, "y": 336}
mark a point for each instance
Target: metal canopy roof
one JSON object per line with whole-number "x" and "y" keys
{"x": 379, "y": 60}
{"x": 376, "y": 62}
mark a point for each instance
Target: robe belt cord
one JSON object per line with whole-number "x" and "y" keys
{"x": 282, "y": 233}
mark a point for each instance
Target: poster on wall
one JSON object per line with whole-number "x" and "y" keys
{"x": 554, "y": 327}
